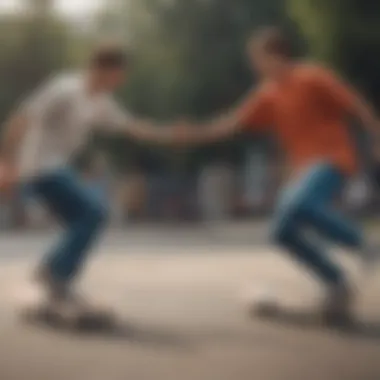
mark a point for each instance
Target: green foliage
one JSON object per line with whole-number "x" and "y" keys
{"x": 346, "y": 35}
{"x": 35, "y": 46}
{"x": 189, "y": 57}
{"x": 191, "y": 54}
{"x": 190, "y": 61}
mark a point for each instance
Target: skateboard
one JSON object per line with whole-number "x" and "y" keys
{"x": 72, "y": 318}
{"x": 304, "y": 317}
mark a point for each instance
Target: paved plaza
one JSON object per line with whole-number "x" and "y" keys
{"x": 179, "y": 295}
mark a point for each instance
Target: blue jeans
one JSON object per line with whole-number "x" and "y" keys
{"x": 81, "y": 214}
{"x": 306, "y": 204}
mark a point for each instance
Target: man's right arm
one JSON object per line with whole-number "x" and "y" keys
{"x": 254, "y": 112}
{"x": 14, "y": 131}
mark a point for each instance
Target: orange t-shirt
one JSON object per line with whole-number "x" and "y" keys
{"x": 308, "y": 111}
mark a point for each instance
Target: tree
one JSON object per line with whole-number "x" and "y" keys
{"x": 35, "y": 47}
{"x": 346, "y": 35}
{"x": 190, "y": 59}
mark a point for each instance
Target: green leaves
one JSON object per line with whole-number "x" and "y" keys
{"x": 345, "y": 34}
{"x": 190, "y": 61}
{"x": 35, "y": 45}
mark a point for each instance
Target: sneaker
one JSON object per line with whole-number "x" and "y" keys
{"x": 65, "y": 299}
{"x": 338, "y": 306}
{"x": 55, "y": 288}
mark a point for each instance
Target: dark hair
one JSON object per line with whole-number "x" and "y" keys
{"x": 110, "y": 56}
{"x": 274, "y": 41}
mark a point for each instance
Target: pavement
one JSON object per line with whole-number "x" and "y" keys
{"x": 181, "y": 296}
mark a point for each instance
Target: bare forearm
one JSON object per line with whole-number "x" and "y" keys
{"x": 215, "y": 130}
{"x": 145, "y": 130}
{"x": 14, "y": 131}
{"x": 181, "y": 132}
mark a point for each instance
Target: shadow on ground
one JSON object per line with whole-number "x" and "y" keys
{"x": 310, "y": 320}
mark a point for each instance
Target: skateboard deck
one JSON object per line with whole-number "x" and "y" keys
{"x": 75, "y": 319}
{"x": 301, "y": 317}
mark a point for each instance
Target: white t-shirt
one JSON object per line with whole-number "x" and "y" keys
{"x": 62, "y": 116}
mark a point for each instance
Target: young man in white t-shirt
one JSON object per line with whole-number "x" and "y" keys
{"x": 42, "y": 136}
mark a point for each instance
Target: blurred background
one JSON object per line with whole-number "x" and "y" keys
{"x": 190, "y": 61}
{"x": 182, "y": 293}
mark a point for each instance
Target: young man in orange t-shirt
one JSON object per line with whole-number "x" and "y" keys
{"x": 307, "y": 108}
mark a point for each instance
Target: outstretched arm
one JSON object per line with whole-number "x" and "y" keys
{"x": 217, "y": 129}
{"x": 116, "y": 120}
{"x": 254, "y": 112}
{"x": 145, "y": 130}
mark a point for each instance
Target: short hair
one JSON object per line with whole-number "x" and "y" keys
{"x": 110, "y": 56}
{"x": 273, "y": 41}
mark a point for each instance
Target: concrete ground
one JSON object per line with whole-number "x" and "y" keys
{"x": 180, "y": 296}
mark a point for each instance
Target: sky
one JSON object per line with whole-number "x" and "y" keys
{"x": 68, "y": 7}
